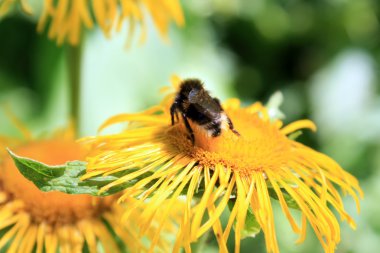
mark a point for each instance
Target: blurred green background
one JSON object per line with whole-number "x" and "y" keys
{"x": 323, "y": 55}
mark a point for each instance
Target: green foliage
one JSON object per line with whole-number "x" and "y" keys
{"x": 251, "y": 226}
{"x": 290, "y": 202}
{"x": 65, "y": 178}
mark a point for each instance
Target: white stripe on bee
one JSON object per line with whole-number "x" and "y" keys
{"x": 222, "y": 121}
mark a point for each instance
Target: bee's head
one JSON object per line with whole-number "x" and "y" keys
{"x": 190, "y": 85}
{"x": 191, "y": 89}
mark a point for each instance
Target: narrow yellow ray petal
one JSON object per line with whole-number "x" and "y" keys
{"x": 100, "y": 15}
{"x": 306, "y": 211}
{"x": 269, "y": 230}
{"x": 132, "y": 175}
{"x": 160, "y": 196}
{"x": 19, "y": 236}
{"x": 7, "y": 219}
{"x": 131, "y": 31}
{"x": 22, "y": 222}
{"x": 89, "y": 235}
{"x": 183, "y": 237}
{"x": 122, "y": 118}
{"x": 217, "y": 227}
{"x": 218, "y": 211}
{"x": 76, "y": 239}
{"x": 175, "y": 9}
{"x": 85, "y": 14}
{"x": 29, "y": 240}
{"x": 203, "y": 204}
{"x": 40, "y": 237}
{"x": 241, "y": 211}
{"x": 51, "y": 242}
{"x": 230, "y": 222}
{"x": 284, "y": 206}
{"x": 56, "y": 27}
{"x": 64, "y": 239}
{"x": 299, "y": 124}
{"x": 218, "y": 231}
{"x": 105, "y": 238}
{"x": 254, "y": 108}
{"x": 303, "y": 230}
{"x": 172, "y": 201}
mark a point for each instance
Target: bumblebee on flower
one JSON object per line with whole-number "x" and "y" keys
{"x": 194, "y": 102}
{"x": 240, "y": 165}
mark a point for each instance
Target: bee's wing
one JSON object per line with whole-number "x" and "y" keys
{"x": 209, "y": 107}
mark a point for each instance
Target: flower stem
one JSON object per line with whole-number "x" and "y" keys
{"x": 74, "y": 68}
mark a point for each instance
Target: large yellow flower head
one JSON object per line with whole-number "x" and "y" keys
{"x": 246, "y": 170}
{"x": 36, "y": 221}
{"x": 66, "y": 18}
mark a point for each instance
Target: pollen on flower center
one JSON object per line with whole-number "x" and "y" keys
{"x": 260, "y": 144}
{"x": 50, "y": 207}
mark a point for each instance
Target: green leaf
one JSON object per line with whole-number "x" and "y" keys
{"x": 65, "y": 178}
{"x": 251, "y": 226}
{"x": 288, "y": 199}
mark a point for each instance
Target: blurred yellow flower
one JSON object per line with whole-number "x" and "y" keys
{"x": 245, "y": 170}
{"x": 36, "y": 221}
{"x": 66, "y": 18}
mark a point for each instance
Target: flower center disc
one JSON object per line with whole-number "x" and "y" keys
{"x": 50, "y": 207}
{"x": 260, "y": 144}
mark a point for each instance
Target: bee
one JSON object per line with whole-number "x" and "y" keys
{"x": 193, "y": 102}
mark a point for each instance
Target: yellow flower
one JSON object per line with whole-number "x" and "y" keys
{"x": 66, "y": 18}
{"x": 36, "y": 221}
{"x": 230, "y": 168}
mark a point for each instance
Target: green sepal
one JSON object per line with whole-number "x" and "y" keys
{"x": 65, "y": 178}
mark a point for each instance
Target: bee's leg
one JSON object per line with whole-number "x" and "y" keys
{"x": 228, "y": 120}
{"x": 173, "y": 110}
{"x": 187, "y": 124}
{"x": 231, "y": 125}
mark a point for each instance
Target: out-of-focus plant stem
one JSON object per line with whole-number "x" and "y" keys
{"x": 74, "y": 57}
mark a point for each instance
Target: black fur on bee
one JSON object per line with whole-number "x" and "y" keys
{"x": 195, "y": 103}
